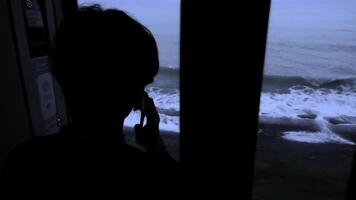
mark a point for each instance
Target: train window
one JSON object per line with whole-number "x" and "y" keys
{"x": 163, "y": 20}
{"x": 307, "y": 119}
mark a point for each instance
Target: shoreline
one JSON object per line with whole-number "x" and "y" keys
{"x": 345, "y": 130}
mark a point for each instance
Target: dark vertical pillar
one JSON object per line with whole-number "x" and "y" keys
{"x": 222, "y": 57}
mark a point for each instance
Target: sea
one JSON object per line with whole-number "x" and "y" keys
{"x": 310, "y": 64}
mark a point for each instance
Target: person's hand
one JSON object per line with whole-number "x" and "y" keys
{"x": 148, "y": 135}
{"x": 149, "y": 110}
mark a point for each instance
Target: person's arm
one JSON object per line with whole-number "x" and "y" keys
{"x": 149, "y": 136}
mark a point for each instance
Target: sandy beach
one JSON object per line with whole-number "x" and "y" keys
{"x": 287, "y": 169}
{"x": 296, "y": 170}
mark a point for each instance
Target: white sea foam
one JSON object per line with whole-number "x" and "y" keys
{"x": 323, "y": 103}
{"x": 315, "y": 137}
{"x": 168, "y": 100}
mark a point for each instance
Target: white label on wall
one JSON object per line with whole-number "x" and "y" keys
{"x": 46, "y": 95}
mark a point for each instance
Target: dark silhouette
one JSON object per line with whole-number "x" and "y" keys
{"x": 102, "y": 59}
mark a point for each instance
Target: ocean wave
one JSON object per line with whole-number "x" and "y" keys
{"x": 301, "y": 101}
{"x": 319, "y": 108}
{"x": 169, "y": 70}
{"x": 169, "y": 112}
{"x": 174, "y": 67}
{"x": 283, "y": 84}
{"x": 166, "y": 99}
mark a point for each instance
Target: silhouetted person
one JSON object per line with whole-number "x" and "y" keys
{"x": 103, "y": 59}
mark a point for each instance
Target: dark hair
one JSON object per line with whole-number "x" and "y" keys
{"x": 103, "y": 49}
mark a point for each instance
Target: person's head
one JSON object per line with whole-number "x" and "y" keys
{"x": 103, "y": 59}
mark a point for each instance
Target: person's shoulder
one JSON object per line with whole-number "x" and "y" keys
{"x": 32, "y": 148}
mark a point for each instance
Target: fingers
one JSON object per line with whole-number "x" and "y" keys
{"x": 151, "y": 111}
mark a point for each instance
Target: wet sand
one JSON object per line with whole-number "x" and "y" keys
{"x": 295, "y": 170}
{"x": 287, "y": 169}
